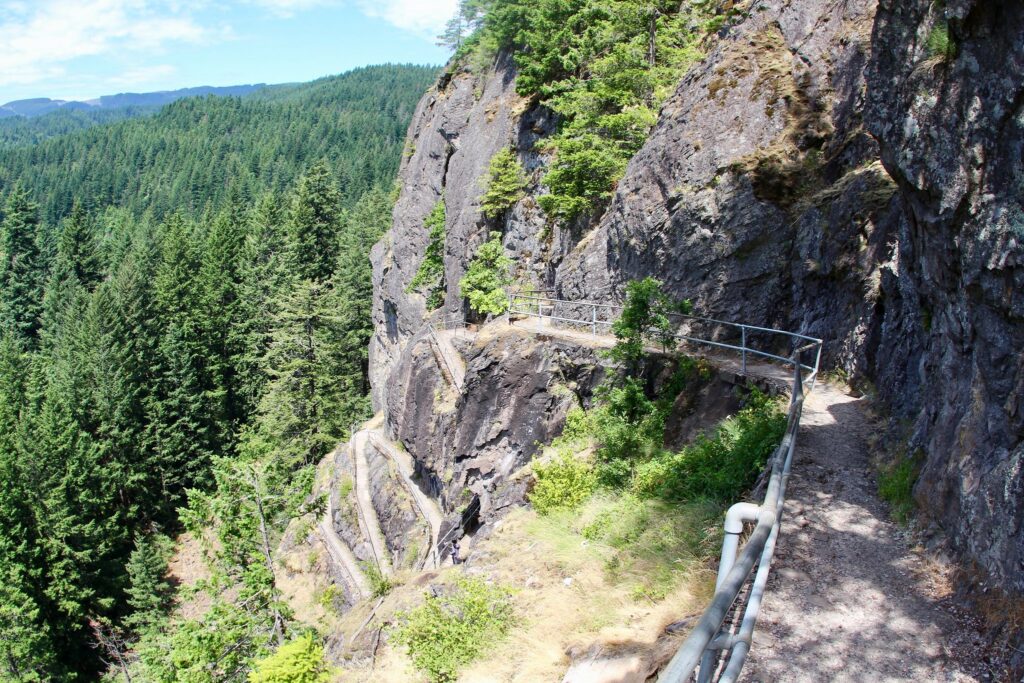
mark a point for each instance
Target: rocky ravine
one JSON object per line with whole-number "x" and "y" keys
{"x": 821, "y": 170}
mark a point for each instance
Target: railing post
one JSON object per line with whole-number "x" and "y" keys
{"x": 817, "y": 365}
{"x": 593, "y": 319}
{"x": 743, "y": 330}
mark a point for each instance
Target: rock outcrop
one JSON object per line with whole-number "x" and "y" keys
{"x": 950, "y": 126}
{"x": 823, "y": 169}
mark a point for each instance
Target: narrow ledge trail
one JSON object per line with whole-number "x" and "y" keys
{"x": 847, "y": 600}
{"x": 364, "y": 504}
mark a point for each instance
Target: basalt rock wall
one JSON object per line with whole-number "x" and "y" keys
{"x": 833, "y": 168}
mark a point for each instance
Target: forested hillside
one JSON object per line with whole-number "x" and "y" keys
{"x": 183, "y": 332}
{"x": 196, "y": 152}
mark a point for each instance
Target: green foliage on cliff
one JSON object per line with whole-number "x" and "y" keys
{"x": 720, "y": 467}
{"x": 940, "y": 43}
{"x": 430, "y": 274}
{"x": 299, "y": 661}
{"x": 505, "y": 184}
{"x": 563, "y": 484}
{"x": 626, "y": 424}
{"x": 487, "y": 277}
{"x": 452, "y": 629}
{"x": 646, "y": 318}
{"x": 604, "y": 67}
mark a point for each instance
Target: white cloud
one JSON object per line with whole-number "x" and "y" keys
{"x": 40, "y": 39}
{"x": 426, "y": 17}
{"x": 286, "y": 8}
{"x": 143, "y": 74}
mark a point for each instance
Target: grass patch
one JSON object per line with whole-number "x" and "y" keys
{"x": 649, "y": 546}
{"x": 896, "y": 487}
{"x": 450, "y": 630}
{"x": 940, "y": 44}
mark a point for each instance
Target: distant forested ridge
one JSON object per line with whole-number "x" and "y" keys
{"x": 184, "y": 317}
{"x": 196, "y": 152}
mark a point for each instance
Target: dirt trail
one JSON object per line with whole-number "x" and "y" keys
{"x": 406, "y": 469}
{"x": 843, "y": 602}
{"x": 367, "y": 513}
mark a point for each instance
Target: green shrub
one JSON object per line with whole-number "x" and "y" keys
{"x": 645, "y": 319}
{"x": 430, "y": 274}
{"x": 506, "y": 184}
{"x": 451, "y": 630}
{"x": 720, "y": 467}
{"x": 563, "y": 484}
{"x": 896, "y": 487}
{"x": 487, "y": 277}
{"x": 380, "y": 585}
{"x": 299, "y": 661}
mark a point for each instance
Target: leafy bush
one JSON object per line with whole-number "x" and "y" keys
{"x": 487, "y": 277}
{"x": 896, "y": 487}
{"x": 450, "y": 630}
{"x": 720, "y": 467}
{"x": 645, "y": 319}
{"x": 506, "y": 184}
{"x": 300, "y": 661}
{"x": 430, "y": 274}
{"x": 562, "y": 484}
{"x": 380, "y": 585}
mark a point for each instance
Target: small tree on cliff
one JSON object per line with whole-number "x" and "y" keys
{"x": 488, "y": 275}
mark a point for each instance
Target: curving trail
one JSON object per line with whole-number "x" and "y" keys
{"x": 847, "y": 599}
{"x": 403, "y": 461}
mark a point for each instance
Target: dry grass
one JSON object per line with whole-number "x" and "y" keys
{"x": 186, "y": 568}
{"x": 566, "y": 600}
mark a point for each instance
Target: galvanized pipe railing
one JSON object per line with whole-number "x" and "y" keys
{"x": 708, "y": 647}
{"x": 598, "y": 317}
{"x": 707, "y": 639}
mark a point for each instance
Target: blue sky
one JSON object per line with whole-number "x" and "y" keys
{"x": 80, "y": 49}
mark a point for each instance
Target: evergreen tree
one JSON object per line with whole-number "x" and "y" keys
{"x": 20, "y": 275}
{"x": 313, "y": 224}
{"x": 264, "y": 274}
{"x": 149, "y": 591}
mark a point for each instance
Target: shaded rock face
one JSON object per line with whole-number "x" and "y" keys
{"x": 456, "y": 129}
{"x": 757, "y": 194}
{"x": 517, "y": 391}
{"x": 951, "y": 132}
{"x": 818, "y": 171}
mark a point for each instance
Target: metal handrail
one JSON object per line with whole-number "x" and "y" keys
{"x": 702, "y": 652}
{"x": 534, "y": 306}
{"x": 707, "y": 638}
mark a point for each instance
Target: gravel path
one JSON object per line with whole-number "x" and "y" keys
{"x": 843, "y": 602}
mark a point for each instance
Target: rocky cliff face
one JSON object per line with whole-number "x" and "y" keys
{"x": 951, "y": 132}
{"x": 821, "y": 170}
{"x": 469, "y": 444}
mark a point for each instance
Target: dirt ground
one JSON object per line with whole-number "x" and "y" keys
{"x": 849, "y": 599}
